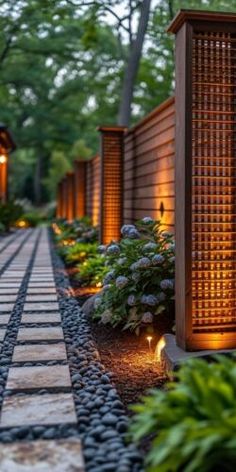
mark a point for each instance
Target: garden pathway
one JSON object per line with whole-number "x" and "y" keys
{"x": 35, "y": 381}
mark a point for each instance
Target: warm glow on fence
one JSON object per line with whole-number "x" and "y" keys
{"x": 70, "y": 184}
{"x": 80, "y": 188}
{"x": 159, "y": 348}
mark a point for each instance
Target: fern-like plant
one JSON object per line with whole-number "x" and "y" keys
{"x": 193, "y": 423}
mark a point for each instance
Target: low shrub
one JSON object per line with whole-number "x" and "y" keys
{"x": 80, "y": 231}
{"x": 92, "y": 271}
{"x": 80, "y": 251}
{"x": 33, "y": 218}
{"x": 193, "y": 423}
{"x": 140, "y": 284}
{"x": 10, "y": 212}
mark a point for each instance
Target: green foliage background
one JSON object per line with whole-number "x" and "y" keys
{"x": 61, "y": 69}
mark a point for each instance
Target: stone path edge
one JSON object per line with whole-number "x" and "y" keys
{"x": 102, "y": 422}
{"x": 9, "y": 341}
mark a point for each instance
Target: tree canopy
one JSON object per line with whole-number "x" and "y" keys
{"x": 62, "y": 68}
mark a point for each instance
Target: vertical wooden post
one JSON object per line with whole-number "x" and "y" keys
{"x": 205, "y": 180}
{"x": 7, "y": 145}
{"x": 112, "y": 153}
{"x": 80, "y": 188}
{"x": 64, "y": 197}
{"x": 3, "y": 176}
{"x": 59, "y": 200}
{"x": 70, "y": 184}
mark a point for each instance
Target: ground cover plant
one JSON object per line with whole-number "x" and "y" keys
{"x": 80, "y": 230}
{"x": 77, "y": 244}
{"x": 193, "y": 422}
{"x": 140, "y": 284}
{"x": 75, "y": 240}
{"x": 92, "y": 271}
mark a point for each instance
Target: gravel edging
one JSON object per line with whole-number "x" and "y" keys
{"x": 102, "y": 422}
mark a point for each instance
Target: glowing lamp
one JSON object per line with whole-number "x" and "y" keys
{"x": 22, "y": 224}
{"x": 3, "y": 159}
{"x": 112, "y": 154}
{"x": 205, "y": 210}
{"x": 149, "y": 340}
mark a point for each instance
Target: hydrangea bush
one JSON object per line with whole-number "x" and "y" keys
{"x": 140, "y": 284}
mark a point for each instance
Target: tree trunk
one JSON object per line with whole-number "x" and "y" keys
{"x": 132, "y": 66}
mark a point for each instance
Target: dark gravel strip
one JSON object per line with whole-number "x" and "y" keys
{"x": 102, "y": 422}
{"x": 11, "y": 258}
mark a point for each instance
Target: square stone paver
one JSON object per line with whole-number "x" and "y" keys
{"x": 9, "y": 285}
{"x": 40, "y": 318}
{"x": 7, "y": 298}
{"x": 40, "y": 306}
{"x": 2, "y": 334}
{"x": 40, "y": 334}
{"x": 9, "y": 282}
{"x": 41, "y": 284}
{"x": 15, "y": 274}
{"x": 27, "y": 378}
{"x": 61, "y": 455}
{"x": 41, "y": 275}
{"x": 6, "y": 307}
{"x": 10, "y": 291}
{"x": 41, "y": 290}
{"x": 54, "y": 408}
{"x": 40, "y": 298}
{"x": 40, "y": 352}
{"x": 4, "y": 319}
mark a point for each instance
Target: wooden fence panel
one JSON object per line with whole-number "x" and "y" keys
{"x": 149, "y": 149}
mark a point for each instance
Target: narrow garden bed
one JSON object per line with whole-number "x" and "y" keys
{"x": 134, "y": 365}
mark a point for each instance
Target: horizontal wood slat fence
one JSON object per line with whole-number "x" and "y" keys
{"x": 149, "y": 149}
{"x": 132, "y": 178}
{"x": 179, "y": 162}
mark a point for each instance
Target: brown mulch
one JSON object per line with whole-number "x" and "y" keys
{"x": 134, "y": 366}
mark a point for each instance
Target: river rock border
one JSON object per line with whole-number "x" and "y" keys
{"x": 102, "y": 422}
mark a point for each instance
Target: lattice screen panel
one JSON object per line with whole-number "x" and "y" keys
{"x": 96, "y": 189}
{"x": 213, "y": 182}
{"x": 112, "y": 184}
{"x": 80, "y": 188}
{"x": 70, "y": 212}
